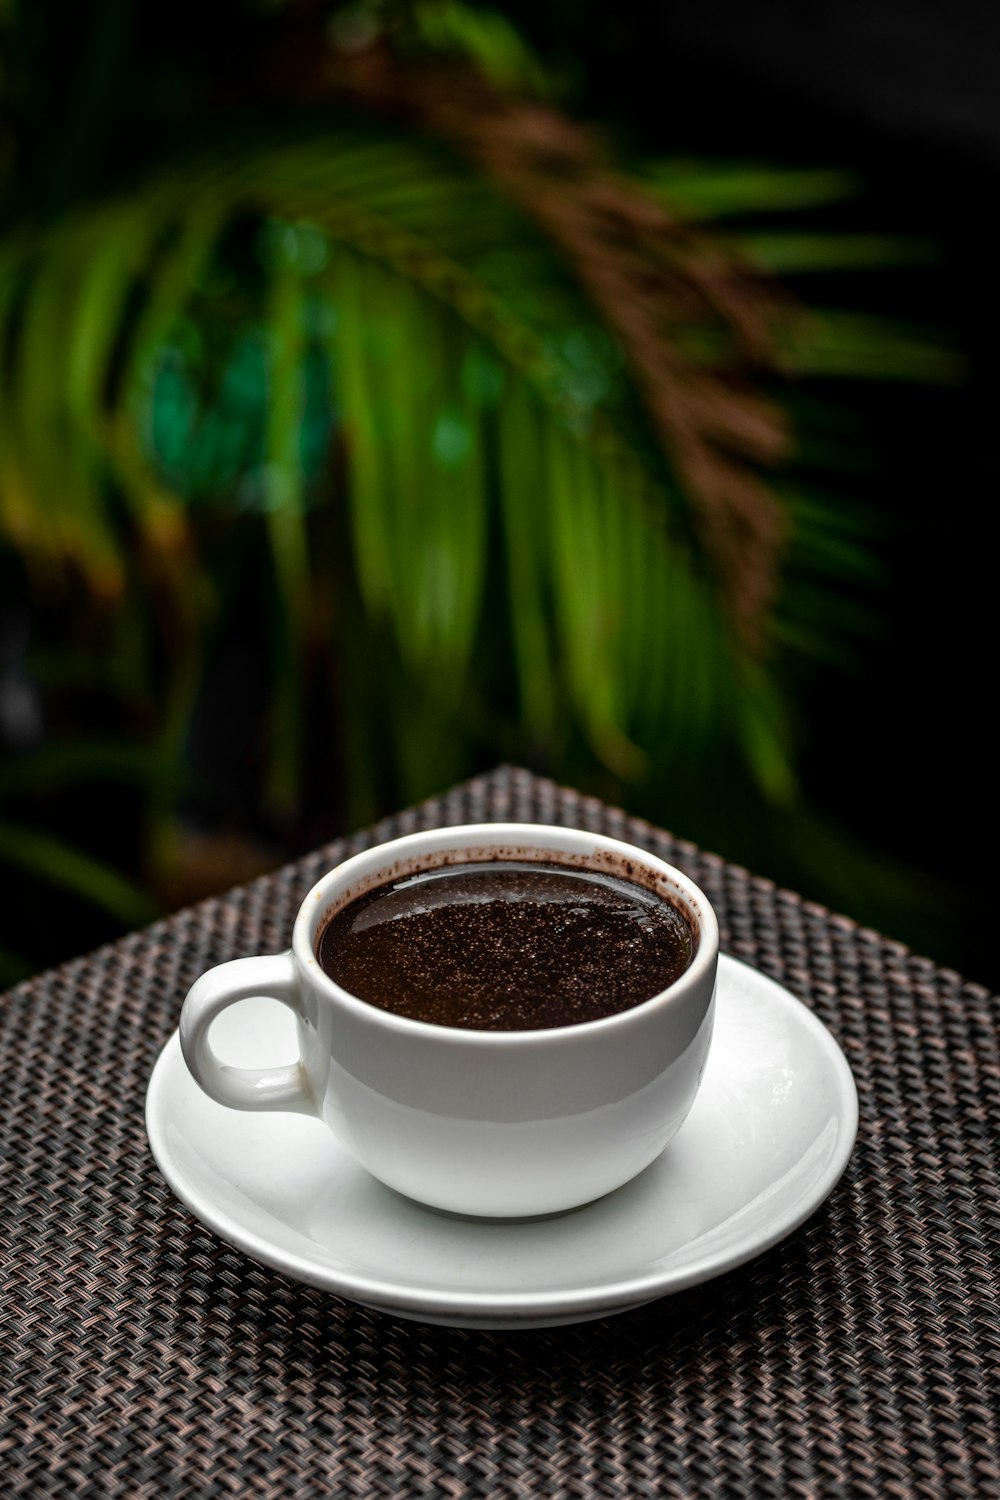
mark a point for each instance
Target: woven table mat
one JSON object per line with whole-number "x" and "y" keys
{"x": 142, "y": 1357}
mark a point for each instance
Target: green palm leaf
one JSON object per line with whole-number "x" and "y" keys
{"x": 33, "y": 852}
{"x": 492, "y": 443}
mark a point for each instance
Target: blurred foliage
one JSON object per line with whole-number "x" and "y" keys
{"x": 337, "y": 384}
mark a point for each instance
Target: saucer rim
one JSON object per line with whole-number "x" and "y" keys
{"x": 541, "y": 1306}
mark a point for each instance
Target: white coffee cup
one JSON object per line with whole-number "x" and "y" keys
{"x": 494, "y": 1123}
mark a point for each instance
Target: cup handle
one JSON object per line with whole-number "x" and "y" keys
{"x": 272, "y": 975}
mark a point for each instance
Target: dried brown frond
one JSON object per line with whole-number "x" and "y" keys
{"x": 647, "y": 275}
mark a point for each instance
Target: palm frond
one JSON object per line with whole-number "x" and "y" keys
{"x": 30, "y": 851}
{"x": 803, "y": 252}
{"x": 473, "y": 394}
{"x": 705, "y": 189}
{"x": 862, "y": 346}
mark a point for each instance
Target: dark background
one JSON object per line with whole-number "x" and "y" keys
{"x": 908, "y": 94}
{"x": 901, "y": 749}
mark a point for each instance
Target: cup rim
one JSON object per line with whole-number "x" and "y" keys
{"x": 317, "y": 902}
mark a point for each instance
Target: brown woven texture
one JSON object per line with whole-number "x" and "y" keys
{"x": 142, "y": 1357}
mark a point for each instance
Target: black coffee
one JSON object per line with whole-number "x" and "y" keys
{"x": 506, "y": 946}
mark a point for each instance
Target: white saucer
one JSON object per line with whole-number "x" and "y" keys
{"x": 770, "y": 1132}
